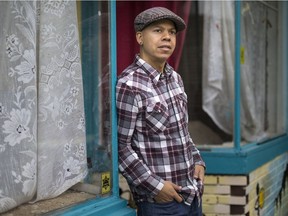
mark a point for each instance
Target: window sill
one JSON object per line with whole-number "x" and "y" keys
{"x": 110, "y": 206}
{"x": 243, "y": 161}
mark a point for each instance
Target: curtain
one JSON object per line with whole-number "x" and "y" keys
{"x": 42, "y": 139}
{"x": 127, "y": 46}
{"x": 253, "y": 71}
{"x": 218, "y": 63}
{"x": 218, "y": 68}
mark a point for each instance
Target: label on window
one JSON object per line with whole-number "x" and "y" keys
{"x": 105, "y": 182}
{"x": 242, "y": 55}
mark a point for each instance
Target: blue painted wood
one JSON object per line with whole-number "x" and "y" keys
{"x": 231, "y": 161}
{"x": 113, "y": 51}
{"x": 111, "y": 206}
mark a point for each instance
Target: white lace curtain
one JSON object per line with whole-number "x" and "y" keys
{"x": 42, "y": 139}
{"x": 218, "y": 68}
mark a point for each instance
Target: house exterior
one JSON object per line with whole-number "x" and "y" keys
{"x": 234, "y": 63}
{"x": 246, "y": 175}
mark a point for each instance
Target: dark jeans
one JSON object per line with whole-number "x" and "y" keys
{"x": 171, "y": 208}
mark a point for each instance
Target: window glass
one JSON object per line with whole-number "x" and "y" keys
{"x": 95, "y": 26}
{"x": 207, "y": 69}
{"x": 261, "y": 75}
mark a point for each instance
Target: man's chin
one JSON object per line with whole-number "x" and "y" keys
{"x": 164, "y": 57}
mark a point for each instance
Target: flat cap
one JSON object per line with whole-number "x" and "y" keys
{"x": 154, "y": 14}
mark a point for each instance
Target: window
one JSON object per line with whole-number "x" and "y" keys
{"x": 207, "y": 67}
{"x": 95, "y": 26}
{"x": 262, "y": 91}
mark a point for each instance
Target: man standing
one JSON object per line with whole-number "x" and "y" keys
{"x": 157, "y": 156}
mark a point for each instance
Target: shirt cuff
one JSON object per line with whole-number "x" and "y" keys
{"x": 153, "y": 185}
{"x": 201, "y": 163}
{"x": 158, "y": 188}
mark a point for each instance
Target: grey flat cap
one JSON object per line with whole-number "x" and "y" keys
{"x": 151, "y": 15}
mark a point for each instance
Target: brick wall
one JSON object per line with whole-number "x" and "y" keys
{"x": 263, "y": 192}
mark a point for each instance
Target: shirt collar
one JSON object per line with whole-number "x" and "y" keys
{"x": 152, "y": 72}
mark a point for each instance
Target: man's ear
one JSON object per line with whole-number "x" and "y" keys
{"x": 139, "y": 38}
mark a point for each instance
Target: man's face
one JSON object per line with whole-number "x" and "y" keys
{"x": 159, "y": 41}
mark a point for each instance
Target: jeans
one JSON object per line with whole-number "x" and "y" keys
{"x": 170, "y": 208}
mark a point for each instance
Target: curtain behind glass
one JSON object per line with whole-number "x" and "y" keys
{"x": 42, "y": 148}
{"x": 218, "y": 63}
{"x": 218, "y": 67}
{"x": 253, "y": 71}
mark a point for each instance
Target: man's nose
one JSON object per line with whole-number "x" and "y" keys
{"x": 166, "y": 35}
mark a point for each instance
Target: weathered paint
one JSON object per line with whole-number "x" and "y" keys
{"x": 264, "y": 191}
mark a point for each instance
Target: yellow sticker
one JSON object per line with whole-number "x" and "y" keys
{"x": 106, "y": 182}
{"x": 242, "y": 55}
{"x": 261, "y": 198}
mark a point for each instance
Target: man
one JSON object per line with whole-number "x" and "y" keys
{"x": 157, "y": 156}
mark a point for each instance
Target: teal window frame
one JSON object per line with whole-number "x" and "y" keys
{"x": 241, "y": 160}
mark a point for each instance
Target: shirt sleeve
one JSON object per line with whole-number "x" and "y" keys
{"x": 197, "y": 159}
{"x": 130, "y": 164}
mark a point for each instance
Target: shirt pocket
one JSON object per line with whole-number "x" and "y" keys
{"x": 182, "y": 99}
{"x": 182, "y": 105}
{"x": 157, "y": 117}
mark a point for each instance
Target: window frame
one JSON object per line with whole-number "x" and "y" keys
{"x": 244, "y": 159}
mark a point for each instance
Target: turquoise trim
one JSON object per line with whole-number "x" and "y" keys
{"x": 111, "y": 206}
{"x": 113, "y": 58}
{"x": 237, "y": 79}
{"x": 233, "y": 162}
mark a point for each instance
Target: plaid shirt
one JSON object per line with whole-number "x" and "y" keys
{"x": 154, "y": 142}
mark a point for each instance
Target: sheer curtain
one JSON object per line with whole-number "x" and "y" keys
{"x": 218, "y": 63}
{"x": 253, "y": 71}
{"x": 218, "y": 67}
{"x": 42, "y": 139}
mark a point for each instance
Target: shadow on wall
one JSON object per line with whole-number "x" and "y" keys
{"x": 202, "y": 134}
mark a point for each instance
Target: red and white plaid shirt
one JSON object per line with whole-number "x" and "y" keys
{"x": 154, "y": 142}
